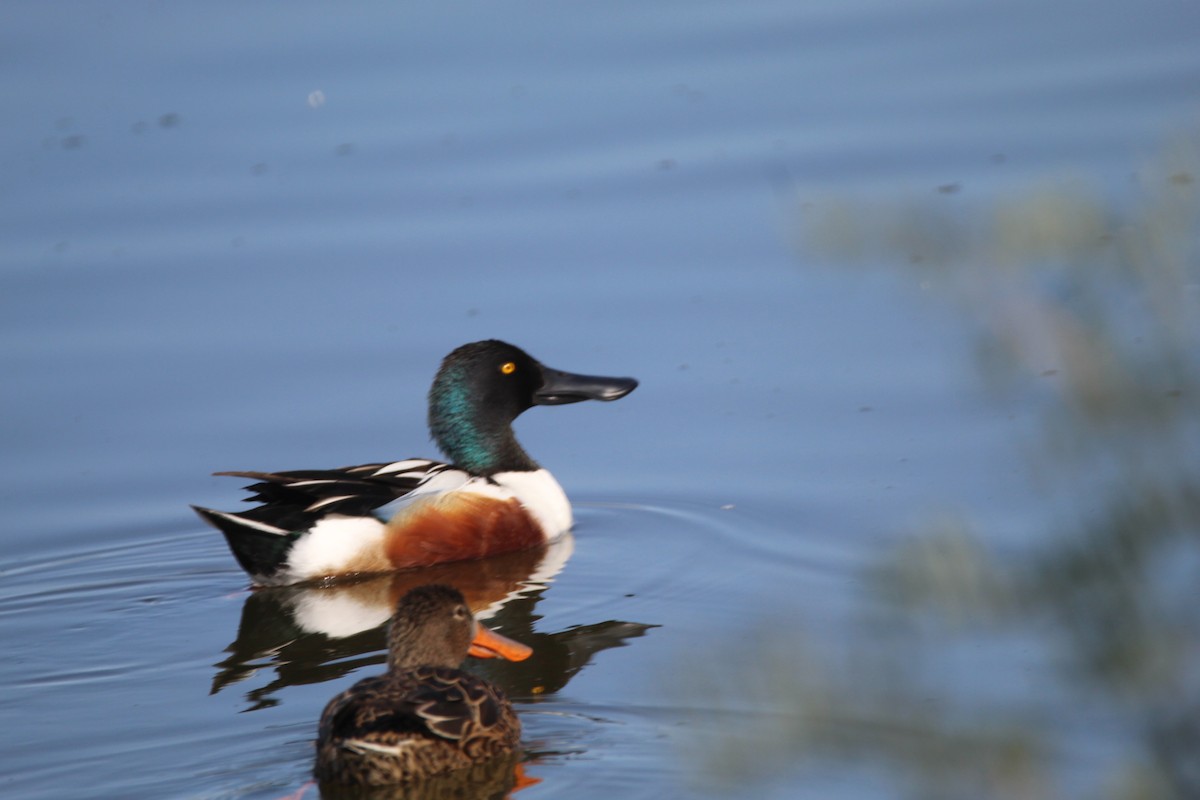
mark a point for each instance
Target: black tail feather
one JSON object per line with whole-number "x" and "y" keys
{"x": 260, "y": 553}
{"x": 292, "y": 502}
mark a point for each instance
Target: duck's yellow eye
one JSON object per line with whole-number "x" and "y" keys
{"x": 508, "y": 368}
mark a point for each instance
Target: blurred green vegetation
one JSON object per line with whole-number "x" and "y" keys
{"x": 1088, "y": 309}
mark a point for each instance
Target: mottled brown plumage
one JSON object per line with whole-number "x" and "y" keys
{"x": 425, "y": 716}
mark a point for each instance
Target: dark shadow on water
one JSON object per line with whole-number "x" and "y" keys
{"x": 313, "y": 634}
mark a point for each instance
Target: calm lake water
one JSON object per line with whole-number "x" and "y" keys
{"x": 906, "y": 502}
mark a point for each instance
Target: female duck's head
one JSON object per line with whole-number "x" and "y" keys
{"x": 483, "y": 386}
{"x": 433, "y": 627}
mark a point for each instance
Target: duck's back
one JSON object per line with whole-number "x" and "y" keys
{"x": 398, "y": 728}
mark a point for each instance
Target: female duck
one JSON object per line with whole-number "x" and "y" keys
{"x": 492, "y": 498}
{"x": 424, "y": 717}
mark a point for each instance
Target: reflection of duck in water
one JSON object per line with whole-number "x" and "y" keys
{"x": 493, "y": 498}
{"x": 348, "y": 607}
{"x": 425, "y": 716}
{"x": 311, "y": 634}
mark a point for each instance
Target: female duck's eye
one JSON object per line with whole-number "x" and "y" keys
{"x": 508, "y": 368}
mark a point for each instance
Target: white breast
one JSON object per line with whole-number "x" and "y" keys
{"x": 538, "y": 491}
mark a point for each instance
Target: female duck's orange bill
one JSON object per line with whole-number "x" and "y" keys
{"x": 489, "y": 644}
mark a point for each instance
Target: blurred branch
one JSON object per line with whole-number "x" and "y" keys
{"x": 1093, "y": 309}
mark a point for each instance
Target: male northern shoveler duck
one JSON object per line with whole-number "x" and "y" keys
{"x": 491, "y": 498}
{"x": 426, "y": 716}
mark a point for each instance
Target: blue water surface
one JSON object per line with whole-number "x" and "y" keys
{"x": 243, "y": 236}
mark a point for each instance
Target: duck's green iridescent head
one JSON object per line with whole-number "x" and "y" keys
{"x": 483, "y": 386}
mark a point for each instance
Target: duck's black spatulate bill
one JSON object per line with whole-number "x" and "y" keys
{"x": 560, "y": 388}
